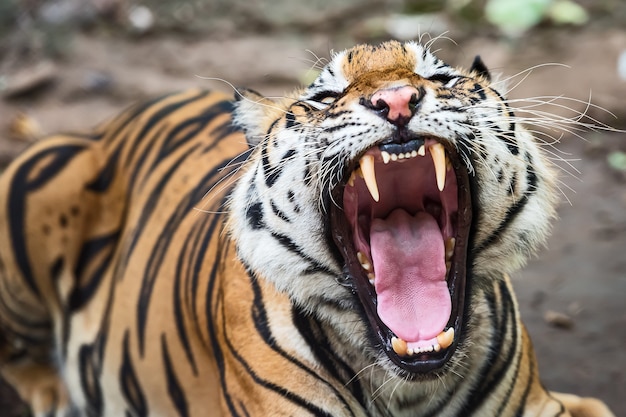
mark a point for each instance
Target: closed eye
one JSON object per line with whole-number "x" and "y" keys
{"x": 446, "y": 79}
{"x": 326, "y": 97}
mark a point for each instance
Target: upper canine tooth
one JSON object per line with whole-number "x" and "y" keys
{"x": 367, "y": 168}
{"x": 438, "y": 153}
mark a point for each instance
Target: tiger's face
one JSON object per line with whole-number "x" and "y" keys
{"x": 390, "y": 189}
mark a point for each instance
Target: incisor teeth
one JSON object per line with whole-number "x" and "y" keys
{"x": 445, "y": 338}
{"x": 367, "y": 168}
{"x": 399, "y": 346}
{"x": 386, "y": 157}
{"x": 421, "y": 151}
{"x": 438, "y": 153}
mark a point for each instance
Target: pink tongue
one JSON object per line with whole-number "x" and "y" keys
{"x": 412, "y": 293}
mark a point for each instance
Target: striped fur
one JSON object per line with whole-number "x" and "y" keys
{"x": 160, "y": 265}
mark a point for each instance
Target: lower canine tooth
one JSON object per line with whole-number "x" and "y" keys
{"x": 399, "y": 346}
{"x": 351, "y": 179}
{"x": 365, "y": 263}
{"x": 446, "y": 338}
{"x": 450, "y": 243}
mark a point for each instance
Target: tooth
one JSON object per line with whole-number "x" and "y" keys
{"x": 351, "y": 179}
{"x": 450, "y": 242}
{"x": 386, "y": 157}
{"x": 394, "y": 157}
{"x": 399, "y": 346}
{"x": 410, "y": 352}
{"x": 413, "y": 153}
{"x": 438, "y": 154}
{"x": 445, "y": 338}
{"x": 371, "y": 278}
{"x": 367, "y": 169}
{"x": 421, "y": 151}
{"x": 400, "y": 156}
{"x": 365, "y": 264}
{"x": 361, "y": 257}
{"x": 436, "y": 347}
{"x": 407, "y": 155}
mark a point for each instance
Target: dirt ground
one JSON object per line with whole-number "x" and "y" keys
{"x": 582, "y": 272}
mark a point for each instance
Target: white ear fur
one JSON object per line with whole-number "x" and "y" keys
{"x": 251, "y": 109}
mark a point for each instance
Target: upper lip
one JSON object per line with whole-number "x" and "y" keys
{"x": 340, "y": 230}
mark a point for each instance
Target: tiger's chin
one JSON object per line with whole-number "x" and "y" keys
{"x": 401, "y": 219}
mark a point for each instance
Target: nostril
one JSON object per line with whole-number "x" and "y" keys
{"x": 379, "y": 106}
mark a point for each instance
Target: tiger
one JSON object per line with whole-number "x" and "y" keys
{"x": 344, "y": 250}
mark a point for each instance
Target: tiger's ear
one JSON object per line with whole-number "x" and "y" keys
{"x": 251, "y": 113}
{"x": 479, "y": 68}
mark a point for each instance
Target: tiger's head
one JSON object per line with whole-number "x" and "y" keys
{"x": 391, "y": 188}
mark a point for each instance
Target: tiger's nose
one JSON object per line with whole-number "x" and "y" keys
{"x": 398, "y": 104}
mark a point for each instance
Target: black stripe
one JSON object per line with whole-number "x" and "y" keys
{"x": 282, "y": 391}
{"x": 183, "y": 208}
{"x": 311, "y": 330}
{"x": 212, "y": 305}
{"x": 509, "y": 139}
{"x": 261, "y": 323}
{"x": 155, "y": 118}
{"x": 494, "y": 367}
{"x": 184, "y": 261}
{"x": 291, "y": 246}
{"x": 126, "y": 117}
{"x": 176, "y": 393}
{"x": 161, "y": 246}
{"x": 510, "y": 216}
{"x": 104, "y": 179}
{"x": 24, "y": 183}
{"x": 271, "y": 174}
{"x": 190, "y": 127}
{"x": 131, "y": 389}
{"x": 89, "y": 381}
{"x": 279, "y": 213}
{"x": 80, "y": 295}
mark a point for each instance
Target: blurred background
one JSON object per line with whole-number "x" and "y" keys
{"x": 69, "y": 64}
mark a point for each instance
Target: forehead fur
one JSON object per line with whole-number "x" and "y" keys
{"x": 370, "y": 58}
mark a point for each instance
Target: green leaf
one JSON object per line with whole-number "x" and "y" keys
{"x": 514, "y": 17}
{"x": 617, "y": 160}
{"x": 566, "y": 12}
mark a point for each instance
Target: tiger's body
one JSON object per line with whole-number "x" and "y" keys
{"x": 161, "y": 266}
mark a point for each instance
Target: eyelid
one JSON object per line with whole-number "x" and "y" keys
{"x": 323, "y": 95}
{"x": 442, "y": 78}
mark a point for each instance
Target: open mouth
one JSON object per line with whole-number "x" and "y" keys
{"x": 402, "y": 231}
